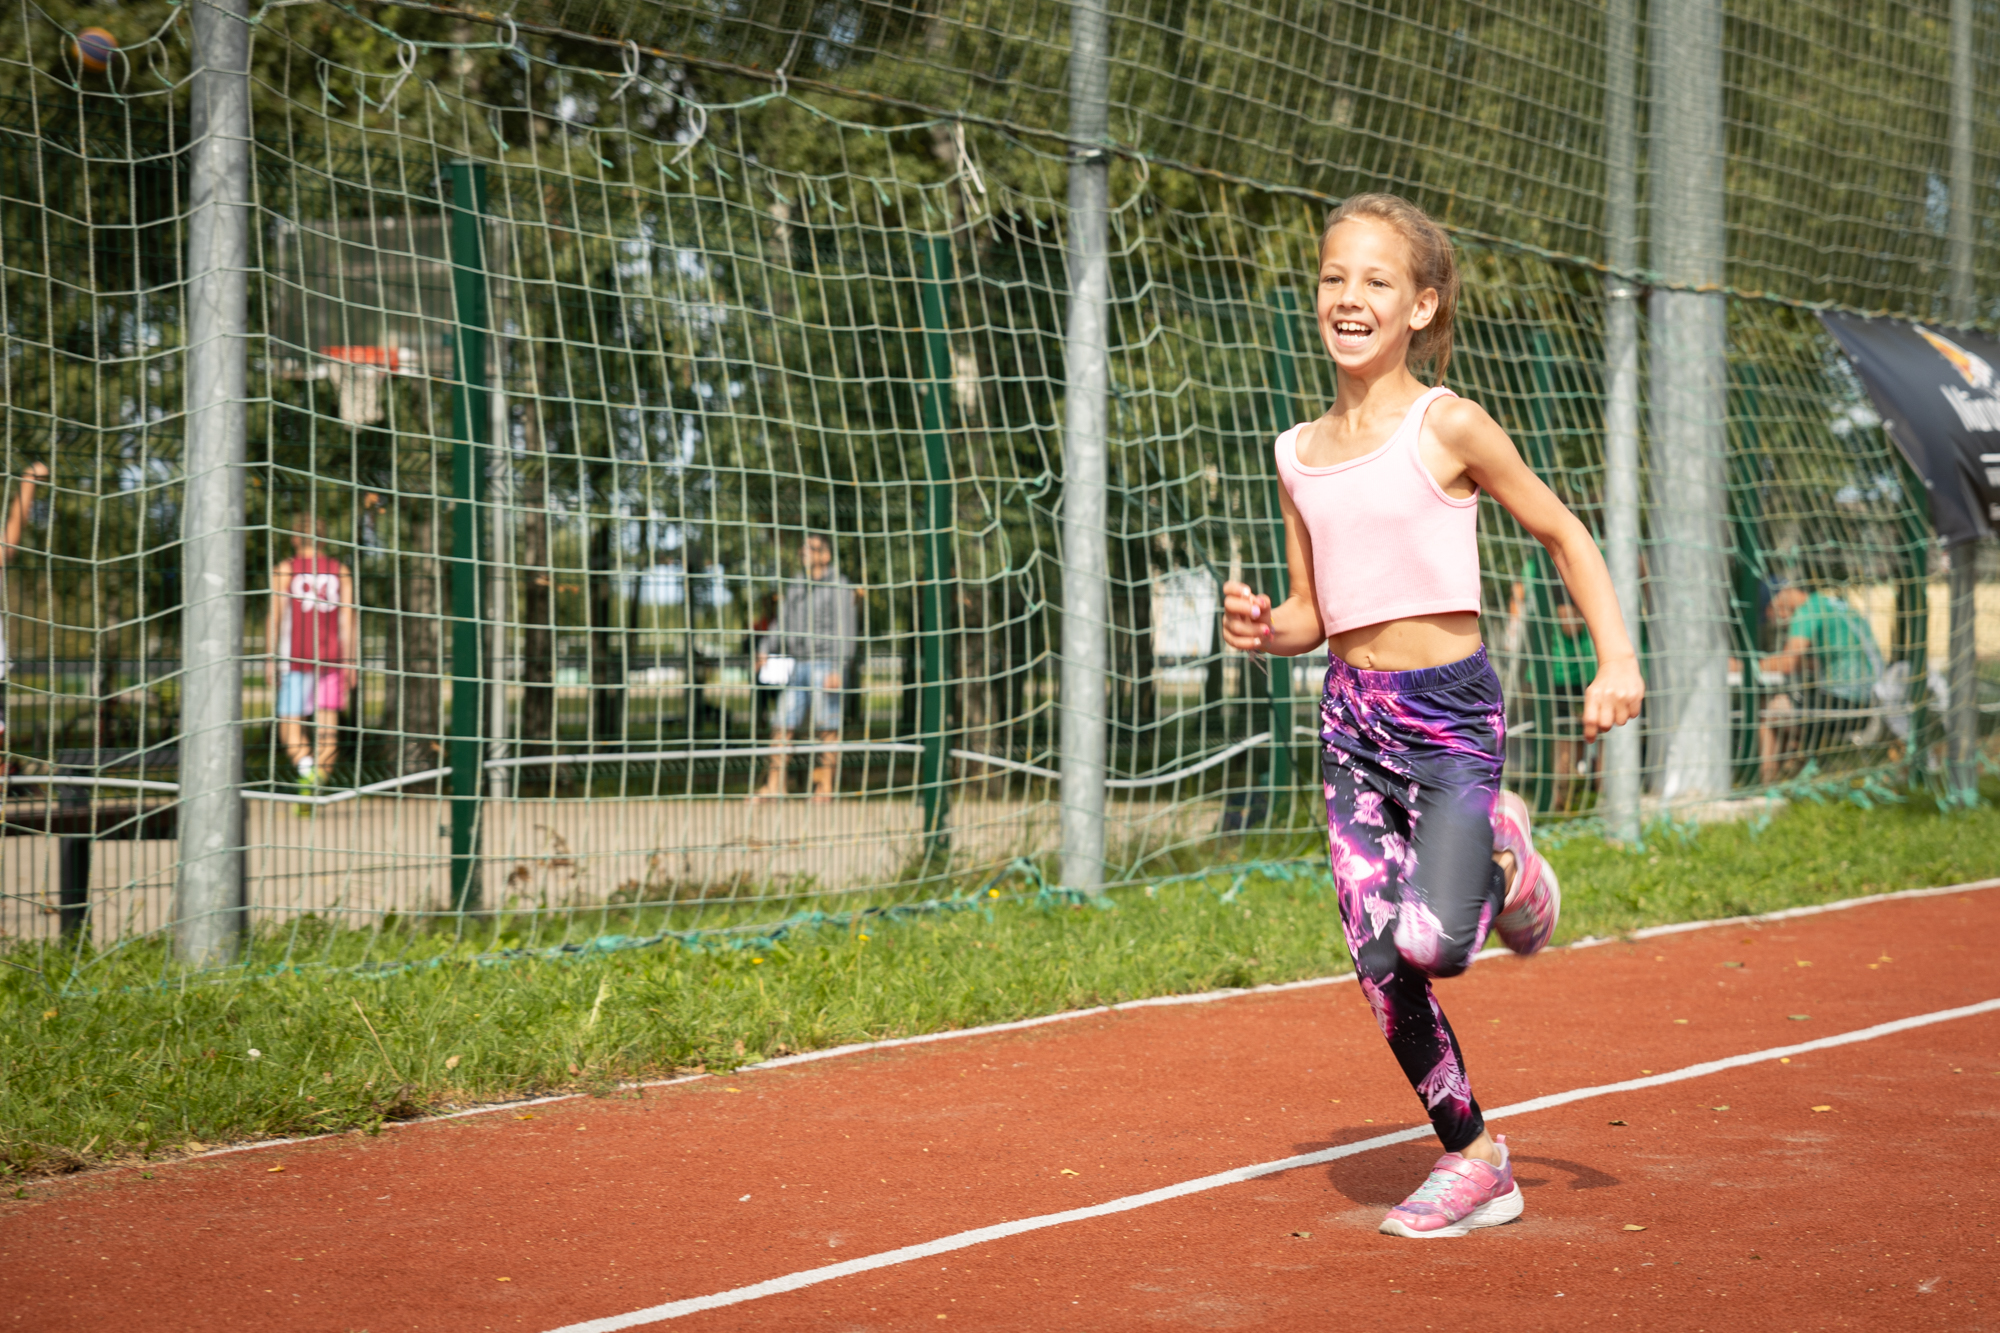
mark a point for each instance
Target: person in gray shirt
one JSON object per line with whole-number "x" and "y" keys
{"x": 808, "y": 651}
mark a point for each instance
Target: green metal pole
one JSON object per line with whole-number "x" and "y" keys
{"x": 1540, "y": 608}
{"x": 469, "y": 426}
{"x": 1276, "y": 683}
{"x": 1746, "y": 512}
{"x": 932, "y": 702}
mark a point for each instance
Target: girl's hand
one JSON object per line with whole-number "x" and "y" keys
{"x": 1613, "y": 698}
{"x": 1246, "y": 618}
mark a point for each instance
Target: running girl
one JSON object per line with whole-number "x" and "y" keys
{"x": 1380, "y": 498}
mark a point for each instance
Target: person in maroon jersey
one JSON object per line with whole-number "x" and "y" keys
{"x": 310, "y": 631}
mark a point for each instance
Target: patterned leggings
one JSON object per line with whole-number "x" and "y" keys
{"x": 1411, "y": 766}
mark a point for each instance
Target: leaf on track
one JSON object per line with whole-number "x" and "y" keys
{"x": 1633, "y": 1226}
{"x": 1614, "y": 1122}
{"x": 1822, "y": 1108}
{"x": 1066, "y": 1171}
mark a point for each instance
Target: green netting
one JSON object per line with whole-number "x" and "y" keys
{"x": 727, "y": 309}
{"x": 1488, "y": 114}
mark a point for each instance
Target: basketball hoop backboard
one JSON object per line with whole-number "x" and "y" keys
{"x": 357, "y": 373}
{"x": 358, "y": 299}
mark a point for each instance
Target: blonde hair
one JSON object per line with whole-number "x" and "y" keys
{"x": 1433, "y": 264}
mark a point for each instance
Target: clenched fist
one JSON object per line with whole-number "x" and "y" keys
{"x": 1246, "y": 618}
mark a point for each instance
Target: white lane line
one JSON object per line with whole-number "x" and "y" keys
{"x": 953, "y": 1034}
{"x": 1817, "y": 909}
{"x": 1272, "y": 988}
{"x": 1158, "y": 1001}
{"x": 979, "y": 1236}
{"x": 1765, "y": 918}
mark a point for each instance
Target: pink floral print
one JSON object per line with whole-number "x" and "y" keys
{"x": 1411, "y": 767}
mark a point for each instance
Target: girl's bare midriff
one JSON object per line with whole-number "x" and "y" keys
{"x": 1410, "y": 644}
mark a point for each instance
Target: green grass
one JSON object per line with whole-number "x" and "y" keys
{"x": 123, "y": 1074}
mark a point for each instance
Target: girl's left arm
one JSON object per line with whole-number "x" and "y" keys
{"x": 1476, "y": 442}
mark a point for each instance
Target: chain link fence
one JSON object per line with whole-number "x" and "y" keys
{"x": 608, "y": 353}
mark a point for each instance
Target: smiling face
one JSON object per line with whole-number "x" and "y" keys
{"x": 1369, "y": 304}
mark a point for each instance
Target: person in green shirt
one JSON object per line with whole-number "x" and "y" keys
{"x": 1572, "y": 664}
{"x": 1830, "y": 663}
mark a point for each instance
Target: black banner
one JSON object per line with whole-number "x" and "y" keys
{"x": 1939, "y": 394}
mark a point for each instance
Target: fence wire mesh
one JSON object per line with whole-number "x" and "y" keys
{"x": 769, "y": 366}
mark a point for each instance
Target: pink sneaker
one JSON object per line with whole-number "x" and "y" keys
{"x": 1461, "y": 1193}
{"x": 1534, "y": 900}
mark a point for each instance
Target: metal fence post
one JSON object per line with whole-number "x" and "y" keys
{"x": 1624, "y": 749}
{"x": 1087, "y": 385}
{"x": 471, "y": 420}
{"x": 1540, "y": 604}
{"x": 1911, "y": 643}
{"x": 1964, "y": 219}
{"x": 1690, "y": 407}
{"x": 1962, "y": 669}
{"x": 933, "y": 720}
{"x": 501, "y": 556}
{"x": 1276, "y": 683}
{"x": 1962, "y": 673}
{"x": 73, "y": 886}
{"x": 209, "y": 891}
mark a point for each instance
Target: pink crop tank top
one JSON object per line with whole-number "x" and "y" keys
{"x": 1387, "y": 542}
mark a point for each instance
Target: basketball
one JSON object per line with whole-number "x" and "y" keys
{"x": 95, "y": 47}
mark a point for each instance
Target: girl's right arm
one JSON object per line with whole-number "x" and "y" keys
{"x": 17, "y": 513}
{"x": 1251, "y": 624}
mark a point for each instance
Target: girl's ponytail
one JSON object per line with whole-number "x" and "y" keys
{"x": 1433, "y": 264}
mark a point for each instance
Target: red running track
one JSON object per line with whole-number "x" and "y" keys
{"x": 1879, "y": 1212}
